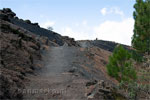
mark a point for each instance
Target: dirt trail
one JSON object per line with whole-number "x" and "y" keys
{"x": 54, "y": 81}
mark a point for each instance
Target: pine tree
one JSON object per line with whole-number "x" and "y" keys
{"x": 141, "y": 37}
{"x": 120, "y": 65}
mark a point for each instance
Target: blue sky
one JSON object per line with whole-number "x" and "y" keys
{"x": 82, "y": 19}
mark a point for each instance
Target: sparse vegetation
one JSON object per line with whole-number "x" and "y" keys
{"x": 135, "y": 90}
{"x": 50, "y": 28}
{"x": 7, "y": 28}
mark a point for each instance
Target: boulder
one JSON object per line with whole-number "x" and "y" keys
{"x": 36, "y": 24}
{"x": 8, "y": 12}
{"x": 103, "y": 90}
{"x": 70, "y": 41}
{"x": 72, "y": 70}
{"x": 93, "y": 82}
{"x": 3, "y": 16}
{"x": 27, "y": 21}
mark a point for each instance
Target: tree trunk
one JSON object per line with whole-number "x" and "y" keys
{"x": 122, "y": 70}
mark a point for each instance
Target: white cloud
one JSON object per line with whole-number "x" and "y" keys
{"x": 84, "y": 22}
{"x": 80, "y": 31}
{"x": 47, "y": 24}
{"x": 67, "y": 31}
{"x": 114, "y": 10}
{"x": 77, "y": 34}
{"x": 103, "y": 11}
{"x": 76, "y": 24}
{"x": 118, "y": 31}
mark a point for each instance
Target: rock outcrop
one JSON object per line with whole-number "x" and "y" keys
{"x": 106, "y": 45}
{"x": 19, "y": 52}
{"x": 8, "y": 15}
{"x": 103, "y": 90}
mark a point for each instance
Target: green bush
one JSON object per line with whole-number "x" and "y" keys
{"x": 120, "y": 65}
{"x": 137, "y": 56}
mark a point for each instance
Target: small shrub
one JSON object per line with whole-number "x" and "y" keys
{"x": 120, "y": 65}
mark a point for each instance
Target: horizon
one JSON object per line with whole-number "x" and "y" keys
{"x": 110, "y": 20}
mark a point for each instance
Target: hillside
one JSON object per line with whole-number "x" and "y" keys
{"x": 40, "y": 64}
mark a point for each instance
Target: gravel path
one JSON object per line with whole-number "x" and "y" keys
{"x": 54, "y": 81}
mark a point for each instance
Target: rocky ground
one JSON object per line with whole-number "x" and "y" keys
{"x": 70, "y": 73}
{"x": 31, "y": 60}
{"x": 21, "y": 52}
